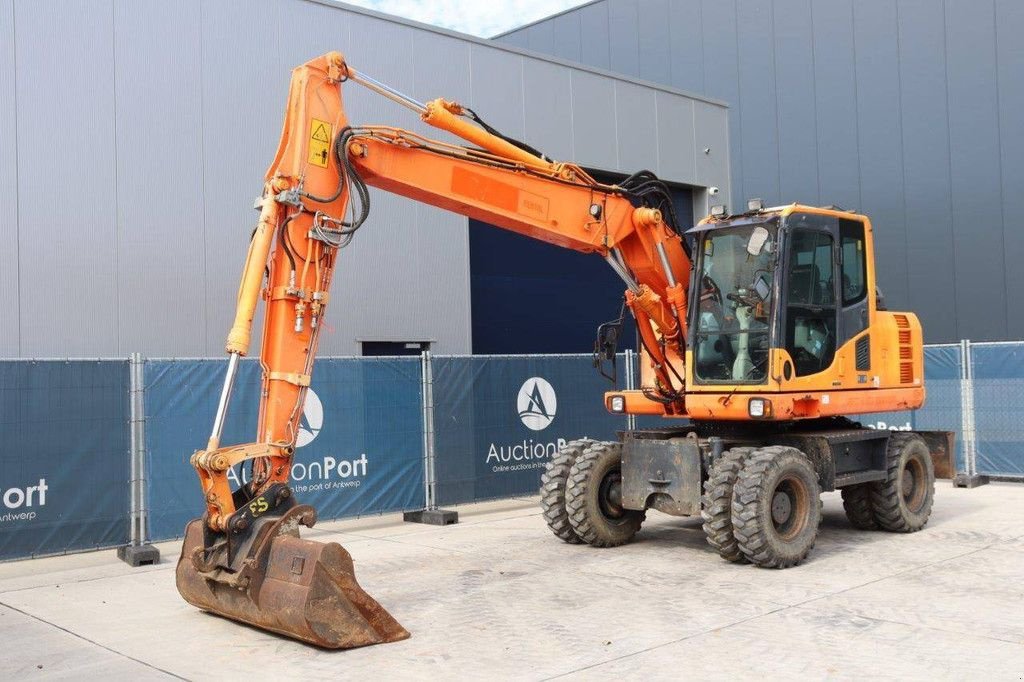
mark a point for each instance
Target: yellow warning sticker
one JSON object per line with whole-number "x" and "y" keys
{"x": 319, "y": 142}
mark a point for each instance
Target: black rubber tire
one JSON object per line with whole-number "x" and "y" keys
{"x": 767, "y": 473}
{"x": 897, "y": 510}
{"x": 859, "y": 508}
{"x": 583, "y": 498}
{"x": 552, "y": 490}
{"x": 716, "y": 503}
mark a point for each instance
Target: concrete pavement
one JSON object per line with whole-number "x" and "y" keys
{"x": 498, "y": 597}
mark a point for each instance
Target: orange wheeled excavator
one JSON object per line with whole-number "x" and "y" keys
{"x": 762, "y": 329}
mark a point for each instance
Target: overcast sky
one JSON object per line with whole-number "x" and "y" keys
{"x": 484, "y": 18}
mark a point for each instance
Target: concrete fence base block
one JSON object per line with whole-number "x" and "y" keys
{"x": 139, "y": 555}
{"x": 433, "y": 517}
{"x": 970, "y": 480}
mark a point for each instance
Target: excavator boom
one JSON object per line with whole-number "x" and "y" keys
{"x": 244, "y": 559}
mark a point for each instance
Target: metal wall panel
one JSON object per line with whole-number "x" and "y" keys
{"x": 836, "y": 105}
{"x": 686, "y": 44}
{"x": 548, "y": 105}
{"x": 906, "y": 110}
{"x": 797, "y": 117}
{"x": 974, "y": 163}
{"x": 595, "y": 35}
{"x": 722, "y": 80}
{"x": 1010, "y": 70}
{"x": 623, "y": 36}
{"x": 926, "y": 168}
{"x": 498, "y": 89}
{"x": 66, "y": 178}
{"x": 593, "y": 131}
{"x": 676, "y": 153}
{"x": 568, "y": 37}
{"x": 10, "y": 329}
{"x": 637, "y": 117}
{"x": 655, "y": 42}
{"x": 541, "y": 38}
{"x": 244, "y": 90}
{"x": 759, "y": 118}
{"x": 712, "y": 142}
{"x": 881, "y": 146}
{"x": 145, "y": 157}
{"x": 160, "y": 207}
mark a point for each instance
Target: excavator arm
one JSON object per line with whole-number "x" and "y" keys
{"x": 243, "y": 558}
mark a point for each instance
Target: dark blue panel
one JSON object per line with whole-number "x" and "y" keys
{"x": 532, "y": 297}
{"x": 998, "y": 373}
{"x": 499, "y": 420}
{"x": 922, "y": 41}
{"x": 974, "y": 153}
{"x": 64, "y": 465}
{"x": 758, "y": 115}
{"x": 359, "y": 446}
{"x": 881, "y": 147}
{"x": 836, "y": 90}
{"x": 794, "y": 75}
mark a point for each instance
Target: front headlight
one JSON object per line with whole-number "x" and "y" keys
{"x": 759, "y": 408}
{"x": 617, "y": 403}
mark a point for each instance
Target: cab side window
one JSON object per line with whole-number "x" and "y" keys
{"x": 851, "y": 234}
{"x": 811, "y": 312}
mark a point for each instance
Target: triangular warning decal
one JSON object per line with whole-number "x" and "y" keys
{"x": 321, "y": 134}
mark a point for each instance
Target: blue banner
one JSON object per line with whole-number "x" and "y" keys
{"x": 359, "y": 447}
{"x": 64, "y": 465}
{"x": 498, "y": 420}
{"x": 998, "y": 374}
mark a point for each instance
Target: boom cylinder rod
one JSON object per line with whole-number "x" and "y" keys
{"x": 387, "y": 91}
{"x": 225, "y": 398}
{"x": 665, "y": 264}
{"x": 621, "y": 271}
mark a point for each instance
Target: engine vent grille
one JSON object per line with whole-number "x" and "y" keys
{"x": 906, "y": 350}
{"x": 863, "y": 353}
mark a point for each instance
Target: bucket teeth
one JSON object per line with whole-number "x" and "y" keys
{"x": 303, "y": 589}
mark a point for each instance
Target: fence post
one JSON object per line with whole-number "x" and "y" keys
{"x": 970, "y": 478}
{"x": 430, "y": 513}
{"x": 137, "y": 552}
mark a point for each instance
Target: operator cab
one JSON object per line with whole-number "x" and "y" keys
{"x": 793, "y": 278}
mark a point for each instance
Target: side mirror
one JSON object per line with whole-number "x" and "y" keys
{"x": 607, "y": 341}
{"x": 757, "y": 241}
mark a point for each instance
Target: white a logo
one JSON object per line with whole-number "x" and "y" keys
{"x": 537, "y": 403}
{"x": 312, "y": 419}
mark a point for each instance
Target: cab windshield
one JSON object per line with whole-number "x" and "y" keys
{"x": 735, "y": 303}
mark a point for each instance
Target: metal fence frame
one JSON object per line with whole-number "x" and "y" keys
{"x": 139, "y": 511}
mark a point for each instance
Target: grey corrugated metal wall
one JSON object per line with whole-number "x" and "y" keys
{"x": 134, "y": 136}
{"x": 908, "y": 110}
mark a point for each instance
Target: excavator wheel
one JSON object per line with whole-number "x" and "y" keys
{"x": 776, "y": 507}
{"x": 903, "y": 501}
{"x": 858, "y": 506}
{"x": 716, "y": 503}
{"x": 593, "y": 497}
{"x": 552, "y": 490}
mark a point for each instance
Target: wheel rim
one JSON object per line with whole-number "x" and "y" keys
{"x": 913, "y": 484}
{"x": 610, "y": 495}
{"x": 790, "y": 503}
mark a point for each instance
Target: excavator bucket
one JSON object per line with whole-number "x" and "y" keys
{"x": 294, "y": 587}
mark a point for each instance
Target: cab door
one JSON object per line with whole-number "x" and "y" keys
{"x": 810, "y": 321}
